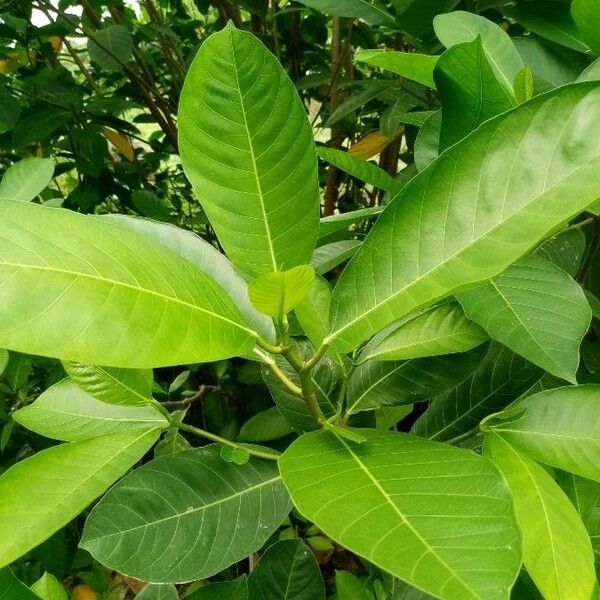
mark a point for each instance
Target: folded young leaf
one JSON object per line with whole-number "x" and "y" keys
{"x": 416, "y": 67}
{"x": 535, "y": 309}
{"x": 485, "y": 215}
{"x": 74, "y": 287}
{"x": 41, "y": 494}
{"x": 470, "y": 90}
{"x": 26, "y": 179}
{"x": 287, "y": 571}
{"x": 559, "y": 427}
{"x": 443, "y": 329}
{"x": 214, "y": 513}
{"x": 556, "y": 549}
{"x": 499, "y": 379}
{"x": 259, "y": 191}
{"x": 438, "y": 517}
{"x": 66, "y": 412}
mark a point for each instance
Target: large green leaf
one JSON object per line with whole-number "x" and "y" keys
{"x": 76, "y": 288}
{"x": 470, "y": 90}
{"x": 113, "y": 385}
{"x": 427, "y": 142}
{"x": 500, "y": 379}
{"x": 585, "y": 14}
{"x": 559, "y": 427}
{"x": 556, "y": 549}
{"x": 287, "y": 571}
{"x": 467, "y": 217}
{"x": 65, "y": 412}
{"x": 460, "y": 26}
{"x": 41, "y": 494}
{"x": 438, "y": 517}
{"x": 444, "y": 329}
{"x": 207, "y": 258}
{"x": 367, "y": 10}
{"x": 212, "y": 513}
{"x": 260, "y": 192}
{"x": 535, "y": 309}
{"x": 26, "y": 179}
{"x": 375, "y": 384}
{"x": 12, "y": 589}
{"x": 416, "y": 67}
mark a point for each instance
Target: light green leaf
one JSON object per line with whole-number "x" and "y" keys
{"x": 550, "y": 20}
{"x": 501, "y": 378}
{"x": 277, "y": 293}
{"x": 330, "y": 256}
{"x": 287, "y": 571}
{"x": 313, "y": 312}
{"x": 460, "y": 26}
{"x": 363, "y": 9}
{"x": 427, "y": 143}
{"x": 265, "y": 426}
{"x": 139, "y": 305}
{"x": 111, "y": 47}
{"x": 154, "y": 591}
{"x": 556, "y": 549}
{"x": 357, "y": 167}
{"x": 232, "y": 590}
{"x": 260, "y": 193}
{"x": 342, "y": 221}
{"x": 113, "y": 385}
{"x": 443, "y": 329}
{"x": 591, "y": 73}
{"x": 12, "y": 589}
{"x": 585, "y": 14}
{"x": 49, "y": 588}
{"x": 435, "y": 516}
{"x": 535, "y": 309}
{"x": 26, "y": 179}
{"x": 375, "y": 384}
{"x": 60, "y": 482}
{"x": 559, "y": 427}
{"x": 524, "y": 85}
{"x": 213, "y": 513}
{"x": 207, "y": 258}
{"x": 486, "y": 215}
{"x": 410, "y": 65}
{"x": 65, "y": 412}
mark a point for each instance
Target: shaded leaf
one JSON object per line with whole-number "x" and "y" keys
{"x": 416, "y": 67}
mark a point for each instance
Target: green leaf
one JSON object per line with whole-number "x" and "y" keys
{"x": 12, "y": 589}
{"x": 207, "y": 258}
{"x": 396, "y": 501}
{"x": 559, "y": 427}
{"x": 427, "y": 143}
{"x": 556, "y": 549}
{"x": 236, "y": 455}
{"x": 342, "y": 221}
{"x": 363, "y": 9}
{"x": 111, "y": 47}
{"x": 138, "y": 304}
{"x": 65, "y": 412}
{"x": 330, "y": 256}
{"x": 113, "y": 385}
{"x": 357, "y": 167}
{"x": 349, "y": 587}
{"x": 460, "y": 26}
{"x": 375, "y": 384}
{"x": 501, "y": 378}
{"x": 60, "y": 482}
{"x": 416, "y": 16}
{"x": 585, "y": 15}
{"x": 313, "y": 312}
{"x": 10, "y": 110}
{"x": 566, "y": 250}
{"x": 535, "y": 309}
{"x": 150, "y": 205}
{"x": 154, "y": 591}
{"x": 524, "y": 85}
{"x": 287, "y": 571}
{"x": 368, "y": 91}
{"x": 550, "y": 20}
{"x": 260, "y": 193}
{"x": 265, "y": 426}
{"x": 276, "y": 294}
{"x": 443, "y": 329}
{"x": 26, "y": 179}
{"x": 487, "y": 216}
{"x": 416, "y": 67}
{"x": 232, "y": 590}
{"x": 49, "y": 588}
{"x": 213, "y": 513}
{"x": 585, "y": 496}
{"x": 469, "y": 89}
{"x": 591, "y": 73}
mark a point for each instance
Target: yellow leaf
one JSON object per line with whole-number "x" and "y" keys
{"x": 370, "y": 145}
{"x": 120, "y": 142}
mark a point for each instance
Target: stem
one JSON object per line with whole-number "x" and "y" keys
{"x": 219, "y": 440}
{"x": 463, "y": 436}
{"x": 289, "y": 384}
{"x": 317, "y": 356}
{"x": 269, "y": 347}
